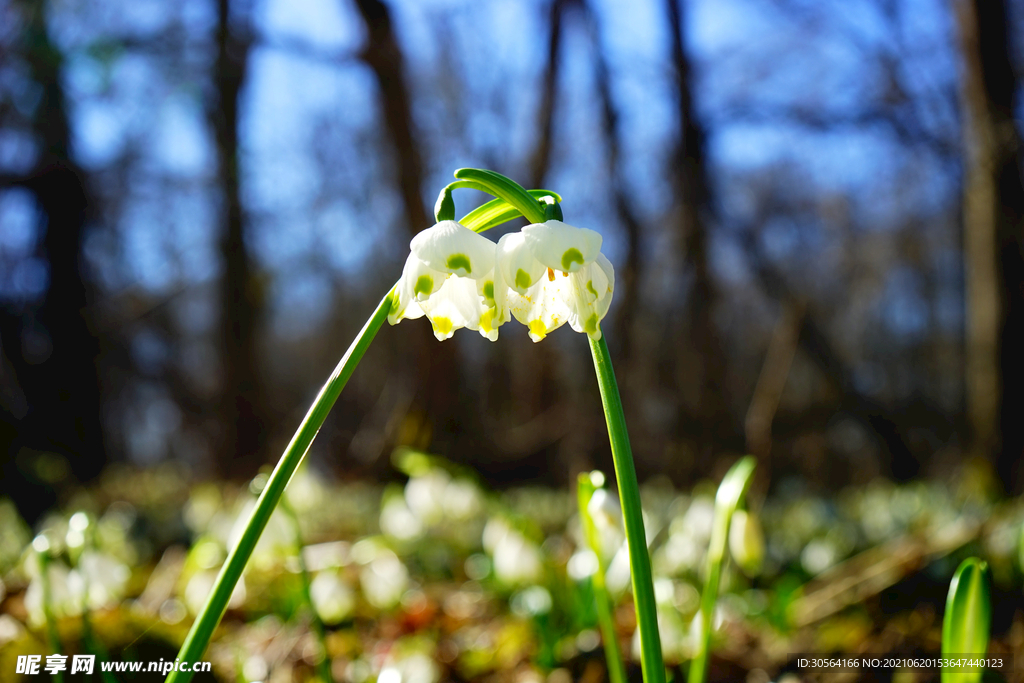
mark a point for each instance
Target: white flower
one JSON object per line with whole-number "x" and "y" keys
{"x": 449, "y": 277}
{"x": 550, "y": 274}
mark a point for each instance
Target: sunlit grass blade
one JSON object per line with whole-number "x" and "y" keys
{"x": 202, "y": 629}
{"x": 588, "y": 484}
{"x": 730, "y": 494}
{"x": 965, "y": 625}
{"x": 498, "y": 211}
{"x": 632, "y": 515}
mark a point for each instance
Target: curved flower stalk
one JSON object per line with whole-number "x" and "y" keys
{"x": 550, "y": 274}
{"x": 449, "y": 278}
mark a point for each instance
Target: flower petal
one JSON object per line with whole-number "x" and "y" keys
{"x": 456, "y": 305}
{"x": 404, "y": 304}
{"x": 451, "y": 248}
{"x": 560, "y": 246}
{"x": 592, "y": 288}
{"x": 545, "y": 306}
{"x": 519, "y": 268}
{"x": 492, "y": 293}
{"x": 422, "y": 280}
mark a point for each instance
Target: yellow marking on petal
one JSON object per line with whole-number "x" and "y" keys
{"x": 486, "y": 319}
{"x": 442, "y": 325}
{"x": 551, "y": 275}
{"x": 570, "y": 256}
{"x": 537, "y": 330}
{"x": 459, "y": 262}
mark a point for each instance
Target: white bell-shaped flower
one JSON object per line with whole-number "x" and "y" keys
{"x": 550, "y": 274}
{"x": 449, "y": 278}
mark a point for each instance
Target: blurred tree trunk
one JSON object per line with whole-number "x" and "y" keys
{"x": 57, "y": 371}
{"x": 384, "y": 57}
{"x": 540, "y": 158}
{"x": 243, "y": 413}
{"x": 689, "y": 166}
{"x": 993, "y": 206}
{"x": 438, "y": 378}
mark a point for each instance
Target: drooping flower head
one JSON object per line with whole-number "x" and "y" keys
{"x": 449, "y": 278}
{"x": 550, "y": 274}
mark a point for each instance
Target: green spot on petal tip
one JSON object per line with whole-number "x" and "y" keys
{"x": 523, "y": 279}
{"x": 424, "y": 285}
{"x": 459, "y": 262}
{"x": 489, "y": 290}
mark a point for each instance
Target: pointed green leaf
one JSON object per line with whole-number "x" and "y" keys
{"x": 498, "y": 211}
{"x": 730, "y": 494}
{"x": 965, "y": 625}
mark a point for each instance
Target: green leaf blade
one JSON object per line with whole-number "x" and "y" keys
{"x": 968, "y": 617}
{"x": 509, "y": 190}
{"x": 498, "y": 211}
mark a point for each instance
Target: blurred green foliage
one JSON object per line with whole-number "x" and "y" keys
{"x": 436, "y": 578}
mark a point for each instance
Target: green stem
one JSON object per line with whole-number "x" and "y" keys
{"x": 202, "y": 629}
{"x": 629, "y": 496}
{"x": 602, "y": 600}
{"x": 89, "y": 640}
{"x": 324, "y": 664}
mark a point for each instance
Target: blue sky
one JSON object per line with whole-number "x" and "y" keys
{"x": 473, "y": 70}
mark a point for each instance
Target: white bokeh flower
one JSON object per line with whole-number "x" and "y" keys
{"x": 449, "y": 278}
{"x": 550, "y": 274}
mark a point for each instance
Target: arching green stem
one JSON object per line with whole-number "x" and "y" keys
{"x": 498, "y": 211}
{"x": 202, "y": 629}
{"x": 505, "y": 188}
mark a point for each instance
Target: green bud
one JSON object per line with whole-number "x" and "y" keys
{"x": 552, "y": 210}
{"x": 444, "y": 208}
